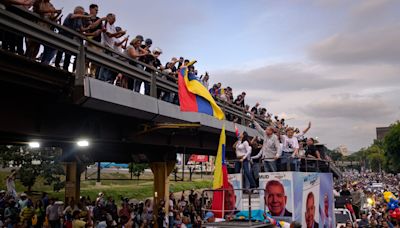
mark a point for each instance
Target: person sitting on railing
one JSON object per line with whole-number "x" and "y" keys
{"x": 75, "y": 22}
{"x": 204, "y": 80}
{"x": 271, "y": 149}
{"x": 224, "y": 95}
{"x": 238, "y": 101}
{"x": 254, "y": 109}
{"x": 213, "y": 90}
{"x": 229, "y": 95}
{"x": 290, "y": 150}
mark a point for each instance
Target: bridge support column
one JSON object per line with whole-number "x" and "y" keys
{"x": 161, "y": 171}
{"x": 72, "y": 181}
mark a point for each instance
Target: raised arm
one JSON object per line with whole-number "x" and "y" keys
{"x": 258, "y": 127}
{"x": 97, "y": 22}
{"x": 308, "y": 128}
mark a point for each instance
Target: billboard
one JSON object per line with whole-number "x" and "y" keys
{"x": 326, "y": 201}
{"x": 310, "y": 205}
{"x": 236, "y": 181}
{"x": 277, "y": 197}
{"x": 297, "y": 196}
{"x": 198, "y": 158}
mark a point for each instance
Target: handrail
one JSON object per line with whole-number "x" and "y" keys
{"x": 24, "y": 24}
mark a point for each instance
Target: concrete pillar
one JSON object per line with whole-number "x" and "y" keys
{"x": 98, "y": 181}
{"x": 161, "y": 171}
{"x": 72, "y": 181}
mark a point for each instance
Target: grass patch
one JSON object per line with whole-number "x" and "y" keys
{"x": 132, "y": 189}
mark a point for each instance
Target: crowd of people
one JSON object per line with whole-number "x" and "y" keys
{"x": 366, "y": 201}
{"x": 20, "y": 210}
{"x": 280, "y": 148}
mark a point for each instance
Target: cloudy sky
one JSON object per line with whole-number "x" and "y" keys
{"x": 332, "y": 62}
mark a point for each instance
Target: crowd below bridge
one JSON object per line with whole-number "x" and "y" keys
{"x": 21, "y": 210}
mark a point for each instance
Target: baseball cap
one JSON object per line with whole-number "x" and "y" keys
{"x": 140, "y": 37}
{"x": 148, "y": 41}
{"x": 208, "y": 215}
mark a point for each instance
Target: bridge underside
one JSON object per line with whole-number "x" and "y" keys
{"x": 38, "y": 103}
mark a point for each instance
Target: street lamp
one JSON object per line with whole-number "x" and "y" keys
{"x": 82, "y": 143}
{"x": 34, "y": 144}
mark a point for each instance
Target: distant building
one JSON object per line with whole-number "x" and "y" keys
{"x": 343, "y": 150}
{"x": 381, "y": 132}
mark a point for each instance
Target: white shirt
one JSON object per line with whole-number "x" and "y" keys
{"x": 243, "y": 149}
{"x": 106, "y": 40}
{"x": 289, "y": 144}
{"x": 118, "y": 48}
{"x": 205, "y": 83}
{"x": 171, "y": 206}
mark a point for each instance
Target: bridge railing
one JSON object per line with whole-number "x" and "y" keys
{"x": 307, "y": 164}
{"x": 24, "y": 23}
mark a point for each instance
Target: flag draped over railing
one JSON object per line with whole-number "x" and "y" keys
{"x": 194, "y": 97}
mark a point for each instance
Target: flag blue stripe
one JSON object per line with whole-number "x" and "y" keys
{"x": 204, "y": 106}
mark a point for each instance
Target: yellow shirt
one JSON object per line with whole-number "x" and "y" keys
{"x": 78, "y": 224}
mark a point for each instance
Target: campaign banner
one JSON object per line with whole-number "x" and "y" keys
{"x": 277, "y": 197}
{"x": 326, "y": 202}
{"x": 198, "y": 158}
{"x": 310, "y": 205}
{"x": 236, "y": 181}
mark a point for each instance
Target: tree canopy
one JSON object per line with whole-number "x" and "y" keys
{"x": 34, "y": 163}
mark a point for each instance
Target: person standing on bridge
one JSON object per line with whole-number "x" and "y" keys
{"x": 75, "y": 22}
{"x": 243, "y": 152}
{"x": 108, "y": 40}
{"x": 271, "y": 149}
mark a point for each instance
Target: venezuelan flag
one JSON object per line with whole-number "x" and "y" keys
{"x": 221, "y": 199}
{"x": 194, "y": 97}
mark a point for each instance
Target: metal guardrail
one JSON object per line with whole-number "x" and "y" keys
{"x": 223, "y": 190}
{"x": 24, "y": 23}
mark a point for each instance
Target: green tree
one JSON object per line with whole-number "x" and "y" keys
{"x": 391, "y": 145}
{"x": 137, "y": 169}
{"x": 375, "y": 157}
{"x": 32, "y": 163}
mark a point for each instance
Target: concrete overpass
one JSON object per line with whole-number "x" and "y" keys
{"x": 56, "y": 107}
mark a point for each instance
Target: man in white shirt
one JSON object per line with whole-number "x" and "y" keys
{"x": 271, "y": 149}
{"x": 108, "y": 39}
{"x": 290, "y": 150}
